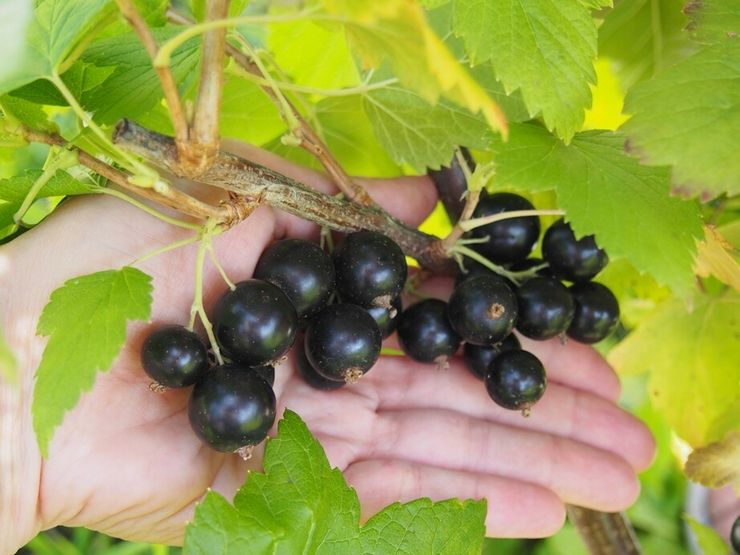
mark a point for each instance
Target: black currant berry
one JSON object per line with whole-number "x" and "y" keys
{"x": 387, "y": 318}
{"x": 301, "y": 270}
{"x": 528, "y": 264}
{"x": 571, "y": 259}
{"x": 174, "y": 356}
{"x": 342, "y": 342}
{"x": 231, "y": 407}
{"x": 735, "y": 535}
{"x": 508, "y": 240}
{"x": 371, "y": 269}
{"x": 255, "y": 323}
{"x": 479, "y": 357}
{"x": 265, "y": 371}
{"x": 596, "y": 314}
{"x": 516, "y": 380}
{"x": 425, "y": 333}
{"x": 307, "y": 372}
{"x": 545, "y": 308}
{"x": 483, "y": 309}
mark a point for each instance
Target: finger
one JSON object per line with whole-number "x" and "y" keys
{"x": 580, "y": 474}
{"x": 515, "y": 509}
{"x": 570, "y": 413}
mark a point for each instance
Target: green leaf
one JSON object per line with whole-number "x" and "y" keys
{"x": 545, "y": 48}
{"x": 597, "y": 4}
{"x": 14, "y": 189}
{"x": 420, "y": 134}
{"x": 85, "y": 320}
{"x": 15, "y": 16}
{"x": 301, "y": 505}
{"x": 710, "y": 542}
{"x": 134, "y": 88}
{"x": 30, "y": 114}
{"x": 718, "y": 464}
{"x": 693, "y": 359}
{"x": 606, "y": 193}
{"x": 57, "y": 26}
{"x": 713, "y": 21}
{"x": 643, "y": 36}
{"x": 689, "y": 117}
{"x": 8, "y": 362}
{"x": 247, "y": 113}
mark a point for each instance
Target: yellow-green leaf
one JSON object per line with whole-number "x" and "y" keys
{"x": 718, "y": 464}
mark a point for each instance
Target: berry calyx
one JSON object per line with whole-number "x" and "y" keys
{"x": 546, "y": 308}
{"x": 387, "y": 318}
{"x": 342, "y": 342}
{"x": 516, "y": 380}
{"x": 255, "y": 323}
{"x": 596, "y": 312}
{"x": 174, "y": 356}
{"x": 478, "y": 358}
{"x": 231, "y": 408}
{"x": 571, "y": 259}
{"x": 301, "y": 270}
{"x": 508, "y": 240}
{"x": 483, "y": 309}
{"x": 425, "y": 334}
{"x": 370, "y": 269}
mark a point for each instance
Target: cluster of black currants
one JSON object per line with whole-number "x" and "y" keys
{"x": 343, "y": 307}
{"x": 484, "y": 307}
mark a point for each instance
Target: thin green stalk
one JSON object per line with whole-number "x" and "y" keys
{"x": 470, "y": 253}
{"x": 218, "y": 265}
{"x": 167, "y": 248}
{"x": 197, "y": 309}
{"x": 472, "y": 223}
{"x": 51, "y": 168}
{"x": 148, "y": 209}
{"x": 348, "y": 91}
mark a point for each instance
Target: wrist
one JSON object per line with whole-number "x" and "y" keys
{"x": 20, "y": 460}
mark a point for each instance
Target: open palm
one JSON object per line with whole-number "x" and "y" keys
{"x": 125, "y": 461}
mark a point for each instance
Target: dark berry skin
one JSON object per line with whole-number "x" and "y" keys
{"x": 479, "y": 357}
{"x": 309, "y": 375}
{"x": 483, "y": 309}
{"x": 508, "y": 240}
{"x": 735, "y": 535}
{"x": 516, "y": 380}
{"x": 383, "y": 318}
{"x": 571, "y": 259}
{"x": 256, "y": 323}
{"x": 425, "y": 333}
{"x": 546, "y": 308}
{"x": 266, "y": 372}
{"x": 472, "y": 269}
{"x": 342, "y": 342}
{"x": 301, "y": 270}
{"x": 371, "y": 269}
{"x": 231, "y": 407}
{"x": 174, "y": 356}
{"x": 528, "y": 264}
{"x": 596, "y": 314}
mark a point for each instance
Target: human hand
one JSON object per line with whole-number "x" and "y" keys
{"x": 125, "y": 462}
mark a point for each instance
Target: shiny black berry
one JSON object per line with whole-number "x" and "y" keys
{"x": 265, "y": 371}
{"x": 342, "y": 342}
{"x": 255, "y": 323}
{"x": 735, "y": 535}
{"x": 508, "y": 240}
{"x": 546, "y": 308}
{"x": 301, "y": 270}
{"x": 479, "y": 357}
{"x": 307, "y": 372}
{"x": 597, "y": 312}
{"x": 387, "y": 318}
{"x": 174, "y": 356}
{"x": 571, "y": 259}
{"x": 231, "y": 407}
{"x": 516, "y": 380}
{"x": 483, "y": 309}
{"x": 425, "y": 333}
{"x": 371, "y": 269}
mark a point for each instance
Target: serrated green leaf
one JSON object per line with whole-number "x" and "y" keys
{"x": 388, "y": 531}
{"x": 710, "y": 542}
{"x": 693, "y": 359}
{"x": 713, "y": 21}
{"x": 415, "y": 132}
{"x": 14, "y": 189}
{"x": 15, "y": 17}
{"x": 689, "y": 117}
{"x": 85, "y": 320}
{"x": 134, "y": 88}
{"x": 544, "y": 48}
{"x": 56, "y": 27}
{"x": 606, "y": 193}
{"x": 8, "y": 362}
{"x": 247, "y": 113}
{"x": 301, "y": 505}
{"x": 30, "y": 114}
{"x": 643, "y": 36}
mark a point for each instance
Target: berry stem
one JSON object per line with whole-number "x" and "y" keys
{"x": 148, "y": 209}
{"x": 166, "y": 248}
{"x": 54, "y": 162}
{"x": 500, "y": 270}
{"x": 197, "y": 309}
{"x": 469, "y": 224}
{"x": 219, "y": 267}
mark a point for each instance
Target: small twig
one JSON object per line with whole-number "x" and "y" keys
{"x": 167, "y": 80}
